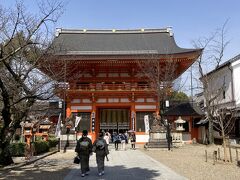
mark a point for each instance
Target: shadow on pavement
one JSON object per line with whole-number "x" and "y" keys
{"x": 40, "y": 171}
{"x": 117, "y": 173}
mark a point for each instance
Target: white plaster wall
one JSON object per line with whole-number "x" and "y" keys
{"x": 153, "y": 107}
{"x": 216, "y": 82}
{"x": 236, "y": 81}
{"x": 142, "y": 138}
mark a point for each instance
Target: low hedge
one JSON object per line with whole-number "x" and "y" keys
{"x": 17, "y": 149}
{"x": 52, "y": 142}
{"x": 40, "y": 147}
{"x": 44, "y": 146}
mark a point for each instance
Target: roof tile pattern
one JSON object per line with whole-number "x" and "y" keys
{"x": 76, "y": 42}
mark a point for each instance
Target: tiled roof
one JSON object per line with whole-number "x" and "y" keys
{"x": 116, "y": 42}
{"x": 185, "y": 109}
{"x": 230, "y": 61}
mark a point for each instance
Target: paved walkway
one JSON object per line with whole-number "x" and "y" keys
{"x": 127, "y": 165}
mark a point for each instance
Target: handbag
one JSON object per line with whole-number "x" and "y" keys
{"x": 76, "y": 160}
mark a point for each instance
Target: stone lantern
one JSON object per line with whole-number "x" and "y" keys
{"x": 27, "y": 131}
{"x": 179, "y": 124}
{"x": 177, "y": 135}
{"x": 45, "y": 128}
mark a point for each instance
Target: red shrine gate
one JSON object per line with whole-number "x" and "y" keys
{"x": 101, "y": 70}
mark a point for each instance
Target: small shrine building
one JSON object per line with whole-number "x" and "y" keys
{"x": 101, "y": 82}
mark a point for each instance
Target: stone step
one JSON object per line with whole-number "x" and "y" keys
{"x": 157, "y": 141}
{"x": 157, "y": 144}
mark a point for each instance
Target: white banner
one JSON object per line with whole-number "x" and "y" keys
{"x": 78, "y": 119}
{"x": 58, "y": 128}
{"x": 133, "y": 123}
{"x": 146, "y": 122}
{"x": 133, "y": 120}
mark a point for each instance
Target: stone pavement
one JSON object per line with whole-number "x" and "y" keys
{"x": 126, "y": 165}
{"x": 122, "y": 165}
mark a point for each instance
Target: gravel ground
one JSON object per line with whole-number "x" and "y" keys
{"x": 190, "y": 161}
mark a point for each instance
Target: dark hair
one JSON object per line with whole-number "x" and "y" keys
{"x": 84, "y": 132}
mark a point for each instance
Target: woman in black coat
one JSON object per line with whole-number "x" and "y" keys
{"x": 100, "y": 147}
{"x": 84, "y": 149}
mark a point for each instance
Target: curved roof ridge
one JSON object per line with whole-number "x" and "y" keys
{"x": 128, "y": 31}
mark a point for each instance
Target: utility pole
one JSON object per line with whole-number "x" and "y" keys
{"x": 191, "y": 87}
{"x": 167, "y": 126}
{"x": 164, "y": 107}
{"x": 1, "y": 51}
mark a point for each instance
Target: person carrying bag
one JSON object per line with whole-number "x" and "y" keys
{"x": 84, "y": 149}
{"x": 100, "y": 147}
{"x": 76, "y": 160}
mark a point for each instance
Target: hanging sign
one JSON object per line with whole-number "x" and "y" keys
{"x": 58, "y": 128}
{"x": 133, "y": 120}
{"x": 78, "y": 119}
{"x": 146, "y": 122}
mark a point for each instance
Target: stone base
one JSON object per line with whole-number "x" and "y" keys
{"x": 157, "y": 140}
{"x": 157, "y": 143}
{"x": 157, "y": 135}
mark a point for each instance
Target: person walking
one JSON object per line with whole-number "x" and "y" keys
{"x": 116, "y": 140}
{"x": 101, "y": 149}
{"x": 107, "y": 137}
{"x": 123, "y": 141}
{"x": 84, "y": 149}
{"x": 126, "y": 136}
{"x": 133, "y": 140}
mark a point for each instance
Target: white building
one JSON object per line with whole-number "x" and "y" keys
{"x": 224, "y": 83}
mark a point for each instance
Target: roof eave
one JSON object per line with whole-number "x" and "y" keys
{"x": 124, "y": 53}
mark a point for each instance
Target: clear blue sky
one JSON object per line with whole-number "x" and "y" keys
{"x": 190, "y": 19}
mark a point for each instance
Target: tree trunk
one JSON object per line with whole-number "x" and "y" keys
{"x": 225, "y": 149}
{"x": 210, "y": 129}
{"x": 5, "y": 156}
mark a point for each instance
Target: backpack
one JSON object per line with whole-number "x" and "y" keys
{"x": 100, "y": 144}
{"x": 121, "y": 137}
{"x": 84, "y": 144}
{"x": 118, "y": 138}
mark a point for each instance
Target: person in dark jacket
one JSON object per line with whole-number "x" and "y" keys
{"x": 100, "y": 147}
{"x": 84, "y": 149}
{"x": 133, "y": 140}
{"x": 116, "y": 140}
